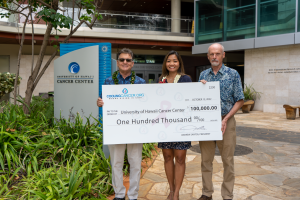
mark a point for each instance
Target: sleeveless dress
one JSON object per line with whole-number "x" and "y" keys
{"x": 177, "y": 145}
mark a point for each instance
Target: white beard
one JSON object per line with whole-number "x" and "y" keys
{"x": 215, "y": 64}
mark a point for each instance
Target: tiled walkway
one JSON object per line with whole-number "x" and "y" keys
{"x": 270, "y": 172}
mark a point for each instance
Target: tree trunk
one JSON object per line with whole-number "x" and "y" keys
{"x": 19, "y": 59}
{"x": 32, "y": 77}
{"x": 36, "y": 74}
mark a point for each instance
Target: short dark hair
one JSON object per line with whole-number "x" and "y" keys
{"x": 126, "y": 51}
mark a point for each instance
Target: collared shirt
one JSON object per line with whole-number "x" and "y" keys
{"x": 110, "y": 81}
{"x": 231, "y": 89}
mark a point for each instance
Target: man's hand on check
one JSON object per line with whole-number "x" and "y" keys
{"x": 100, "y": 102}
{"x": 203, "y": 81}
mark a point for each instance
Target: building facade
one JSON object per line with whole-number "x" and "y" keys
{"x": 150, "y": 28}
{"x": 267, "y": 34}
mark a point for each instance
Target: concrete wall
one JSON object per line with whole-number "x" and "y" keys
{"x": 275, "y": 72}
{"x": 45, "y": 84}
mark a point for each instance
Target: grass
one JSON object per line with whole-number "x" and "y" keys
{"x": 45, "y": 158}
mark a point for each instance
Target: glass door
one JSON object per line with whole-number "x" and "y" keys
{"x": 140, "y": 74}
{"x": 152, "y": 77}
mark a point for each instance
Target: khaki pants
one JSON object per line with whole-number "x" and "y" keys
{"x": 226, "y": 147}
{"x": 134, "y": 154}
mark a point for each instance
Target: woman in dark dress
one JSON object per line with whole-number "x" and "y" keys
{"x": 173, "y": 72}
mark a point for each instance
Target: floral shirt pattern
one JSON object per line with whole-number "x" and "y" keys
{"x": 230, "y": 86}
{"x": 110, "y": 81}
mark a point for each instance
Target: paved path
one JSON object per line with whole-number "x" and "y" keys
{"x": 257, "y": 119}
{"x": 269, "y": 134}
{"x": 270, "y": 172}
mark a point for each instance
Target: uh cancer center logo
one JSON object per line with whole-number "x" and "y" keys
{"x": 74, "y": 67}
{"x": 125, "y": 95}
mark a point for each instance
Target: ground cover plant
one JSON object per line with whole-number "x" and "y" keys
{"x": 46, "y": 158}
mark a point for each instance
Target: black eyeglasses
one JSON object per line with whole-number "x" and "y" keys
{"x": 122, "y": 60}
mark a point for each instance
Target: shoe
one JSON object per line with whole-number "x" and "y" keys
{"x": 132, "y": 199}
{"x": 116, "y": 198}
{"x": 203, "y": 197}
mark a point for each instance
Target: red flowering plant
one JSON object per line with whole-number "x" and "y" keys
{"x": 164, "y": 80}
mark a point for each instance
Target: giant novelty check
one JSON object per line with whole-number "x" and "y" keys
{"x": 146, "y": 113}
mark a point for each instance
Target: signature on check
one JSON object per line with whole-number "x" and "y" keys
{"x": 192, "y": 128}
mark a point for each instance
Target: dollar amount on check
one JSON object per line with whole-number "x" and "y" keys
{"x": 147, "y": 113}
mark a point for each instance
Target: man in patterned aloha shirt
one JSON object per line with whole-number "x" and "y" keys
{"x": 117, "y": 151}
{"x": 231, "y": 101}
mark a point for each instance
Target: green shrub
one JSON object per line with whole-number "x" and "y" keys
{"x": 7, "y": 82}
{"x": 250, "y": 93}
{"x": 46, "y": 158}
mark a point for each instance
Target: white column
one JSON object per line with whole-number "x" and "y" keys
{"x": 175, "y": 13}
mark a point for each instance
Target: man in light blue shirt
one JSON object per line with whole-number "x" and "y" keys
{"x": 232, "y": 99}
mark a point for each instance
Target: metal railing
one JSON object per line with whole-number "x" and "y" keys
{"x": 139, "y": 21}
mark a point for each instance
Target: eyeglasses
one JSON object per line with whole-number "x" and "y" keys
{"x": 122, "y": 60}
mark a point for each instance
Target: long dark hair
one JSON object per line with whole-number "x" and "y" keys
{"x": 165, "y": 71}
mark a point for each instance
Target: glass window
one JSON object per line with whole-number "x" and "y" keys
{"x": 298, "y": 16}
{"x": 209, "y": 21}
{"x": 141, "y": 75}
{"x": 276, "y": 17}
{"x": 155, "y": 59}
{"x": 152, "y": 78}
{"x": 4, "y": 64}
{"x": 139, "y": 59}
{"x": 240, "y": 17}
{"x": 149, "y": 59}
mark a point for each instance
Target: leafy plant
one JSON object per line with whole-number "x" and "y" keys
{"x": 9, "y": 144}
{"x": 250, "y": 93}
{"x": 77, "y": 181}
{"x": 46, "y": 158}
{"x": 7, "y": 81}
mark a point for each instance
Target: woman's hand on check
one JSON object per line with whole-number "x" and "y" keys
{"x": 100, "y": 102}
{"x": 203, "y": 81}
